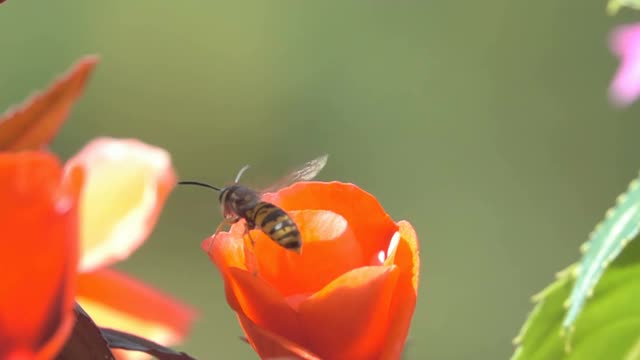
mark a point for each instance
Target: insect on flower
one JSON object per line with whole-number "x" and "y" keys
{"x": 241, "y": 202}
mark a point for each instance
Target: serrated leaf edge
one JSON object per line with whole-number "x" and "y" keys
{"x": 588, "y": 284}
{"x": 562, "y": 277}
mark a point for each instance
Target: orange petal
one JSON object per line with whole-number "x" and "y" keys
{"x": 35, "y": 122}
{"x": 127, "y": 184}
{"x": 271, "y": 346}
{"x": 226, "y": 249}
{"x": 348, "y": 319}
{"x": 262, "y": 304}
{"x": 38, "y": 217}
{"x": 326, "y": 238}
{"x": 406, "y": 257}
{"x": 367, "y": 219}
{"x": 117, "y": 301}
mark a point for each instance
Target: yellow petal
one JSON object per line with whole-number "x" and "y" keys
{"x": 126, "y": 184}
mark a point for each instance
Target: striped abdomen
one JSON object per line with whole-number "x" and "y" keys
{"x": 276, "y": 224}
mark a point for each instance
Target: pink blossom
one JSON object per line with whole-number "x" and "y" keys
{"x": 625, "y": 43}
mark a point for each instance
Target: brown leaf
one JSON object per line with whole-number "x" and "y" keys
{"x": 35, "y": 122}
{"x": 86, "y": 341}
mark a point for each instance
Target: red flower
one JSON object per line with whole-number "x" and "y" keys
{"x": 350, "y": 294}
{"x": 38, "y": 253}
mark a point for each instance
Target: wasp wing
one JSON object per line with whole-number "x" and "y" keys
{"x": 306, "y": 172}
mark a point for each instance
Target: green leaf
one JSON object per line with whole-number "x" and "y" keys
{"x": 608, "y": 328}
{"x": 614, "y": 5}
{"x": 620, "y": 226}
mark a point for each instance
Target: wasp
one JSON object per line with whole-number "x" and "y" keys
{"x": 238, "y": 201}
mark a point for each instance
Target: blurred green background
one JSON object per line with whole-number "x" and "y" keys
{"x": 486, "y": 124}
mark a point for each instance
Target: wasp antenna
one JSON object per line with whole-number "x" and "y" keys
{"x": 244, "y": 168}
{"x": 199, "y": 184}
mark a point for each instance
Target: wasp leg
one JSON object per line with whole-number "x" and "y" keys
{"x": 228, "y": 220}
{"x": 249, "y": 254}
{"x": 212, "y": 239}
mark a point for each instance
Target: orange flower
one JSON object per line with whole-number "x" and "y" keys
{"x": 38, "y": 253}
{"x": 125, "y": 185}
{"x": 350, "y": 294}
